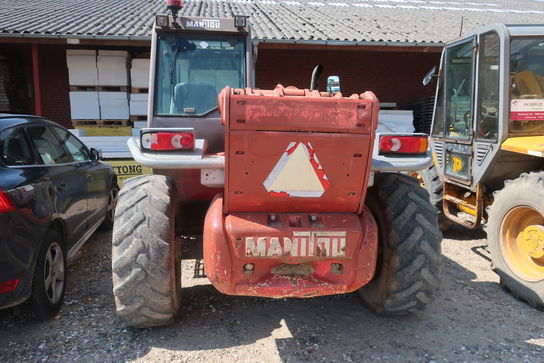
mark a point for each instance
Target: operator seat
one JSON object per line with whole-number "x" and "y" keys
{"x": 526, "y": 84}
{"x": 201, "y": 97}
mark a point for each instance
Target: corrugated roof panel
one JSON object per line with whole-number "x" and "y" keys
{"x": 330, "y": 20}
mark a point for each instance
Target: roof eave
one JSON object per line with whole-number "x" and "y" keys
{"x": 256, "y": 40}
{"x": 351, "y": 43}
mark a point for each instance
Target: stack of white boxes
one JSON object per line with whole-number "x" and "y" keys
{"x": 101, "y": 80}
{"x": 139, "y": 79}
{"x": 82, "y": 72}
{"x": 113, "y": 72}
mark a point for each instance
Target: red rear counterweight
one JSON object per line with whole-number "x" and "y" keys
{"x": 292, "y": 219}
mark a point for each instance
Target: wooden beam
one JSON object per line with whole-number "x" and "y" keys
{"x": 366, "y": 48}
{"x": 82, "y": 42}
{"x": 36, "y": 77}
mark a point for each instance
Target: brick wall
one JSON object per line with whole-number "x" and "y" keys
{"x": 392, "y": 76}
{"x": 54, "y": 84}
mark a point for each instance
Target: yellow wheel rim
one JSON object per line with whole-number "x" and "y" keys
{"x": 522, "y": 242}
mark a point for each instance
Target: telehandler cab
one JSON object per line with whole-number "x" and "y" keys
{"x": 304, "y": 202}
{"x": 487, "y": 141}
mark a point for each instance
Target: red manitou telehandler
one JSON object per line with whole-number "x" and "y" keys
{"x": 306, "y": 199}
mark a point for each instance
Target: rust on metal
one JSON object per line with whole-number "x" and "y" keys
{"x": 292, "y": 221}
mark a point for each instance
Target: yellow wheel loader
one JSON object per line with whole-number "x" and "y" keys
{"x": 487, "y": 141}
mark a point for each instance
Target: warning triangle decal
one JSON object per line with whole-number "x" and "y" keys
{"x": 297, "y": 173}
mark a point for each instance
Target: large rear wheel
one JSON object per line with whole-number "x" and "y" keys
{"x": 146, "y": 268}
{"x": 516, "y": 237}
{"x": 409, "y": 261}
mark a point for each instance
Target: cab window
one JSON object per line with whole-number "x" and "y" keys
{"x": 438, "y": 115}
{"x": 458, "y": 93}
{"x": 527, "y": 85}
{"x": 48, "y": 147}
{"x": 192, "y": 70}
{"x": 488, "y": 87}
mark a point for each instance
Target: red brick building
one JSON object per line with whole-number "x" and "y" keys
{"x": 379, "y": 45}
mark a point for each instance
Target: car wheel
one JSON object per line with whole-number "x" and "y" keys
{"x": 49, "y": 281}
{"x": 110, "y": 212}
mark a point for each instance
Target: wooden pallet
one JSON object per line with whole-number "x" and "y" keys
{"x": 99, "y": 88}
{"x": 138, "y": 118}
{"x": 139, "y": 90}
{"x": 101, "y": 123}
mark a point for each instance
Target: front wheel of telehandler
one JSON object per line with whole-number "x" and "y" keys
{"x": 145, "y": 266}
{"x": 515, "y": 235}
{"x": 408, "y": 271}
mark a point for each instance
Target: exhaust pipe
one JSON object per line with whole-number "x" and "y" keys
{"x": 174, "y": 6}
{"x": 316, "y": 74}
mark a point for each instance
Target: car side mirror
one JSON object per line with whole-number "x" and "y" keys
{"x": 429, "y": 76}
{"x": 96, "y": 155}
{"x": 333, "y": 84}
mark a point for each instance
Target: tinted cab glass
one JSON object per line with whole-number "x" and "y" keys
{"x": 192, "y": 70}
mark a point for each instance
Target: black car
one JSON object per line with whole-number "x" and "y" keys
{"x": 54, "y": 193}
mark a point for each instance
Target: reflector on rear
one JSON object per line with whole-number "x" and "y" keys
{"x": 8, "y": 286}
{"x": 6, "y": 205}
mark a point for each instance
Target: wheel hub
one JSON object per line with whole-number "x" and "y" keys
{"x": 522, "y": 242}
{"x": 532, "y": 241}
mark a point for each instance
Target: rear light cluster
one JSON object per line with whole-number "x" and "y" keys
{"x": 394, "y": 144}
{"x": 168, "y": 140}
{"x": 6, "y": 205}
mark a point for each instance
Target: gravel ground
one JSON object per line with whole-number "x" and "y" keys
{"x": 472, "y": 319}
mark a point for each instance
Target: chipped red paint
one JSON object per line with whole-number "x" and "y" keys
{"x": 317, "y": 167}
{"x": 277, "y": 194}
{"x": 261, "y": 124}
{"x": 254, "y": 242}
{"x": 225, "y": 254}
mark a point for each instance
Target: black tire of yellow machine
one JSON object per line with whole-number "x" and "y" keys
{"x": 524, "y": 193}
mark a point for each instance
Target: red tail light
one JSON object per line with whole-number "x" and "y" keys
{"x": 168, "y": 141}
{"x": 391, "y": 144}
{"x": 8, "y": 286}
{"x": 6, "y": 205}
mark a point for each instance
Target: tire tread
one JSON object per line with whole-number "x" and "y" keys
{"x": 411, "y": 279}
{"x": 145, "y": 284}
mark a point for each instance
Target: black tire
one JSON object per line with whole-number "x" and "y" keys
{"x": 110, "y": 211}
{"x": 431, "y": 181}
{"x": 145, "y": 266}
{"x": 46, "y": 299}
{"x": 518, "y": 197}
{"x": 409, "y": 260}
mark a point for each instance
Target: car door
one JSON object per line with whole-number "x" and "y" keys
{"x": 67, "y": 183}
{"x": 96, "y": 176}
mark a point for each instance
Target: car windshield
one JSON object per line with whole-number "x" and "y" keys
{"x": 527, "y": 85}
{"x": 191, "y": 71}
